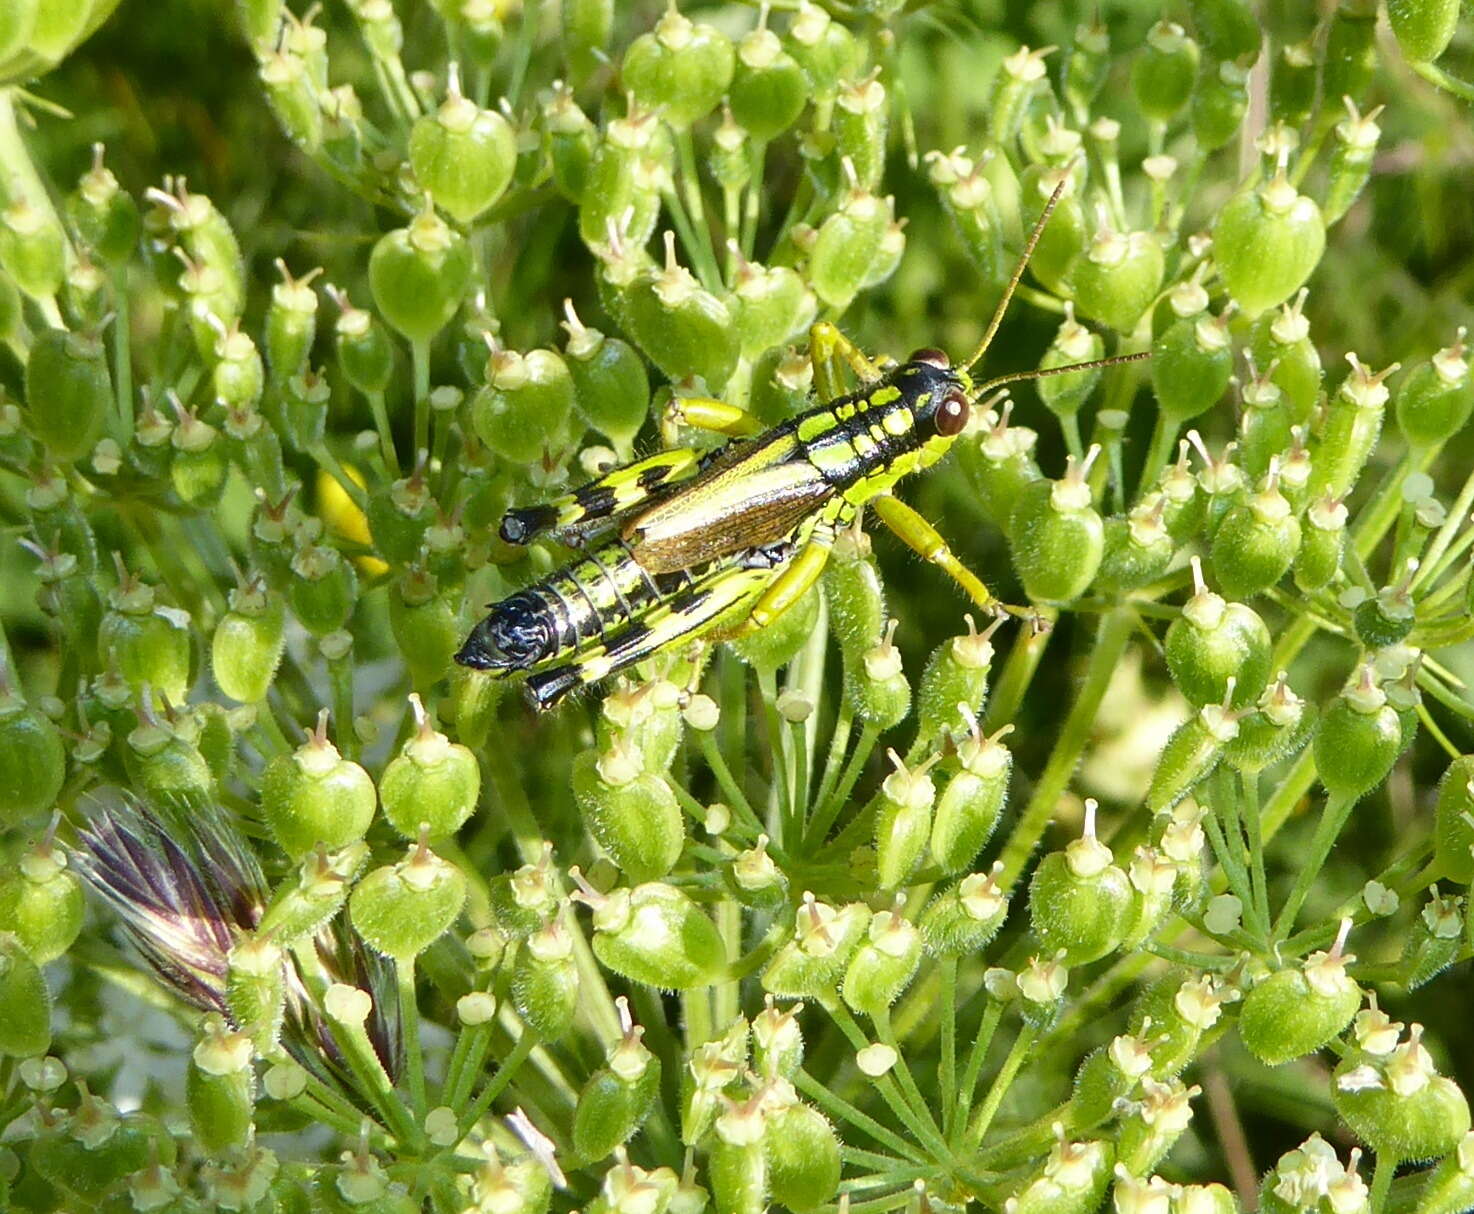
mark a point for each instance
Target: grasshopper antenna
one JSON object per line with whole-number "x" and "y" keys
{"x": 989, "y": 384}
{"x": 1018, "y": 270}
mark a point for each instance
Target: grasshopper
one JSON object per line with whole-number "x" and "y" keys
{"x": 681, "y": 545}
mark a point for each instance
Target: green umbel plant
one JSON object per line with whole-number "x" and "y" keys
{"x": 1150, "y": 891}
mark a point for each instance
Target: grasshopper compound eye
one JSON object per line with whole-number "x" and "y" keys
{"x": 952, "y": 414}
{"x": 936, "y": 358}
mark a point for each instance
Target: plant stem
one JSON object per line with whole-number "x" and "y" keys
{"x": 1029, "y": 644}
{"x": 1001, "y": 1083}
{"x": 841, "y": 1110}
{"x": 420, "y": 362}
{"x": 1332, "y": 820}
{"x": 947, "y": 1069}
{"x": 1114, "y": 631}
{"x": 992, "y": 1014}
{"x": 380, "y": 410}
{"x": 409, "y": 1016}
{"x": 498, "y": 1082}
{"x": 826, "y": 813}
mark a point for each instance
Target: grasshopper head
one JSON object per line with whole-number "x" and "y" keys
{"x": 941, "y": 394}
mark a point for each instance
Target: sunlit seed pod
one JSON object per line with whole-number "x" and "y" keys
{"x": 1151, "y": 1126}
{"x": 860, "y": 124}
{"x": 401, "y": 909}
{"x": 431, "y": 781}
{"x": 973, "y": 798}
{"x": 163, "y": 757}
{"x": 803, "y": 1156}
{"x": 1423, "y": 28}
{"x": 1256, "y": 543}
{"x": 41, "y": 901}
{"x": 68, "y": 390}
{"x": 315, "y": 796}
{"x": 1387, "y": 617}
{"x": 654, "y": 934}
{"x": 1436, "y": 398}
{"x": 1266, "y": 243}
{"x": 419, "y": 275}
{"x": 146, "y": 641}
{"x": 1164, "y": 72}
{"x": 903, "y": 820}
{"x": 1359, "y": 739}
{"x": 1172, "y": 1014}
{"x": 1118, "y": 276}
{"x": 220, "y": 1088}
{"x": 1191, "y": 364}
{"x": 777, "y": 1041}
{"x": 1020, "y": 77}
{"x": 1434, "y": 941}
{"x": 247, "y": 644}
{"x": 812, "y": 963}
{"x": 769, "y": 89}
{"x": 197, "y": 466}
{"x": 1073, "y": 343}
{"x": 965, "y": 917}
{"x": 680, "y": 69}
{"x": 826, "y": 49}
{"x": 32, "y": 759}
{"x": 1000, "y": 464}
{"x": 1064, "y": 244}
{"x": 618, "y": 1096}
{"x": 322, "y": 589}
{"x": 462, "y": 155}
{"x": 32, "y": 248}
{"x": 545, "y": 981}
{"x": 772, "y": 306}
{"x": 1280, "y": 725}
{"x": 855, "y": 596}
{"x": 684, "y": 329}
{"x": 1352, "y": 153}
{"x": 1079, "y": 899}
{"x": 1137, "y": 549}
{"x": 956, "y": 673}
{"x": 1398, "y": 1104}
{"x": 632, "y": 812}
{"x": 883, "y": 965}
{"x": 103, "y": 214}
{"x": 737, "y": 1163}
{"x": 1055, "y": 535}
{"x": 1214, "y": 641}
{"x": 876, "y": 688}
{"x": 1191, "y": 753}
{"x": 611, "y": 389}
{"x": 1087, "y": 62}
{"x": 848, "y": 244}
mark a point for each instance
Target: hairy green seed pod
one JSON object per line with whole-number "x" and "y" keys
{"x": 1079, "y": 899}
{"x": 875, "y": 688}
{"x": 1323, "y": 540}
{"x": 1229, "y": 29}
{"x": 956, "y": 673}
{"x": 571, "y": 140}
{"x": 402, "y": 909}
{"x": 972, "y": 801}
{"x": 769, "y": 89}
{"x": 220, "y": 1088}
{"x": 25, "y": 1003}
{"x": 1136, "y": 549}
{"x": 621, "y": 199}
{"x": 854, "y": 596}
{"x": 163, "y": 757}
{"x": 255, "y": 990}
{"x": 1219, "y": 103}
{"x": 41, "y": 902}
{"x": 1192, "y": 362}
{"x": 432, "y": 781}
{"x": 323, "y": 589}
{"x": 713, "y": 1068}
{"x": 1073, "y": 343}
{"x": 1151, "y": 1126}
{"x": 655, "y": 934}
{"x": 826, "y": 50}
{"x": 1063, "y": 242}
{"x": 1435, "y": 400}
{"x": 365, "y": 353}
{"x": 149, "y": 644}
{"x": 1190, "y": 755}
{"x": 772, "y": 306}
{"x": 398, "y": 515}
{"x": 315, "y": 796}
{"x": 1257, "y": 541}
{"x": 813, "y": 962}
{"x": 1266, "y": 436}
{"x": 1001, "y": 466}
{"x": 68, "y": 391}
{"x": 1433, "y": 943}
{"x": 525, "y": 899}
{"x": 425, "y": 626}
{"x": 1164, "y": 71}
{"x": 1387, "y": 617}
{"x": 1280, "y": 341}
{"x": 1172, "y": 1014}
{"x": 903, "y": 821}
{"x": 103, "y": 214}
{"x": 1450, "y": 1185}
{"x": 419, "y": 275}
{"x": 611, "y": 389}
{"x": 1398, "y": 1104}
{"x": 1298, "y": 1010}
{"x": 680, "y": 69}
{"x": 847, "y": 246}
{"x": 803, "y": 1156}
{"x": 1453, "y": 834}
{"x": 524, "y": 408}
{"x": 1359, "y": 739}
{"x": 1072, "y": 1180}
{"x": 777, "y": 1041}
{"x": 883, "y": 965}
{"x": 860, "y": 124}
{"x": 684, "y": 329}
{"x": 964, "y": 918}
{"x": 95, "y": 1150}
{"x": 1056, "y": 536}
{"x": 1266, "y": 242}
{"x": 1351, "y": 159}
{"x": 545, "y": 981}
{"x": 1020, "y": 77}
{"x": 632, "y": 812}
{"x": 32, "y": 760}
{"x": 462, "y": 155}
{"x": 1279, "y": 726}
{"x": 197, "y": 466}
{"x": 618, "y": 1096}
{"x": 1118, "y": 277}
{"x": 1214, "y": 641}
{"x": 32, "y": 248}
{"x": 737, "y": 1164}
{"x": 1424, "y": 28}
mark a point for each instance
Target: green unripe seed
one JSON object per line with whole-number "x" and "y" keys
{"x": 41, "y": 903}
{"x": 1136, "y": 549}
{"x": 611, "y": 389}
{"x": 1297, "y": 1011}
{"x": 803, "y": 1157}
{"x": 432, "y": 781}
{"x": 686, "y": 331}
{"x": 972, "y": 800}
{"x": 323, "y": 589}
{"x": 1280, "y": 342}
{"x": 883, "y": 965}
{"x": 68, "y": 391}
{"x": 1453, "y": 832}
{"x": 680, "y": 69}
{"x": 769, "y": 89}
{"x": 425, "y": 625}
{"x": 419, "y": 275}
{"x": 1220, "y": 103}
{"x": 32, "y": 760}
{"x": 220, "y": 1088}
{"x": 826, "y": 50}
{"x": 1001, "y": 466}
{"x": 1280, "y": 726}
{"x": 315, "y": 796}
{"x": 632, "y": 812}
{"x": 737, "y": 1163}
{"x": 1191, "y": 754}
{"x": 1359, "y": 739}
{"x": 965, "y": 917}
{"x": 1073, "y": 343}
{"x": 772, "y": 306}
{"x": 655, "y": 934}
{"x": 1433, "y": 943}
{"x": 1435, "y": 400}
{"x": 956, "y": 673}
{"x": 365, "y": 353}
{"x": 1214, "y": 641}
{"x": 25, "y": 1003}
{"x": 1056, "y": 536}
{"x": 1256, "y": 543}
{"x": 618, "y": 1096}
{"x": 32, "y": 248}
{"x": 903, "y": 821}
{"x": 1190, "y": 367}
{"x": 103, "y": 214}
{"x": 1079, "y": 899}
{"x": 1266, "y": 242}
{"x": 1164, "y": 72}
{"x": 875, "y": 687}
{"x": 545, "y": 981}
{"x": 1424, "y": 28}
{"x": 402, "y": 909}
{"x": 1352, "y": 154}
{"x": 847, "y": 246}
{"x": 813, "y": 962}
{"x": 1398, "y": 1104}
{"x": 463, "y": 155}
{"x": 1293, "y": 83}
{"x": 1118, "y": 277}
{"x": 1072, "y": 1180}
{"x": 248, "y": 643}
